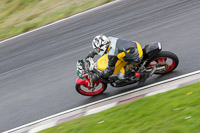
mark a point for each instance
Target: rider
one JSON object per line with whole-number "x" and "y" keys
{"x": 114, "y": 47}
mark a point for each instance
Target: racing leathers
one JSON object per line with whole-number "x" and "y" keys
{"x": 120, "y": 49}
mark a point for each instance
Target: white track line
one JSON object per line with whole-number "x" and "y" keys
{"x": 76, "y": 15}
{"x": 161, "y": 91}
{"x": 106, "y": 99}
{"x": 42, "y": 127}
{"x": 99, "y": 109}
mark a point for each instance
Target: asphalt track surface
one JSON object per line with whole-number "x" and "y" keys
{"x": 37, "y": 70}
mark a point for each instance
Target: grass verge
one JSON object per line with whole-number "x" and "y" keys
{"x": 19, "y": 16}
{"x": 175, "y": 111}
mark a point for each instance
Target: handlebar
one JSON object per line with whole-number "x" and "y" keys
{"x": 91, "y": 63}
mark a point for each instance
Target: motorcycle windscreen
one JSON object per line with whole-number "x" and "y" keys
{"x": 102, "y": 64}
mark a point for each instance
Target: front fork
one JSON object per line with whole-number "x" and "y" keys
{"x": 91, "y": 81}
{"x": 85, "y": 82}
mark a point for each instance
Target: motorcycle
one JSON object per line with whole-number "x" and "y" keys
{"x": 155, "y": 61}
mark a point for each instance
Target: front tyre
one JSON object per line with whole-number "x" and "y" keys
{"x": 165, "y": 59}
{"x": 99, "y": 88}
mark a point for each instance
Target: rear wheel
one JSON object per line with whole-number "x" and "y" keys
{"x": 99, "y": 88}
{"x": 165, "y": 59}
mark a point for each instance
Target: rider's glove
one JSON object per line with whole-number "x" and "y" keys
{"x": 91, "y": 54}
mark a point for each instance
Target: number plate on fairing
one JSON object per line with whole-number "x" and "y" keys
{"x": 80, "y": 69}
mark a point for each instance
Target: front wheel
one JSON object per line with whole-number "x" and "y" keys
{"x": 99, "y": 88}
{"x": 168, "y": 60}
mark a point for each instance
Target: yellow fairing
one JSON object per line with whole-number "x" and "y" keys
{"x": 102, "y": 64}
{"x": 139, "y": 49}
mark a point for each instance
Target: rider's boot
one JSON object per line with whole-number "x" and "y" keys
{"x": 132, "y": 78}
{"x": 143, "y": 78}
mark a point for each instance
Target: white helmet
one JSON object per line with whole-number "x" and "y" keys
{"x": 100, "y": 44}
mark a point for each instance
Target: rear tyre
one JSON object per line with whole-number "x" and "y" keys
{"x": 164, "y": 58}
{"x": 99, "y": 89}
